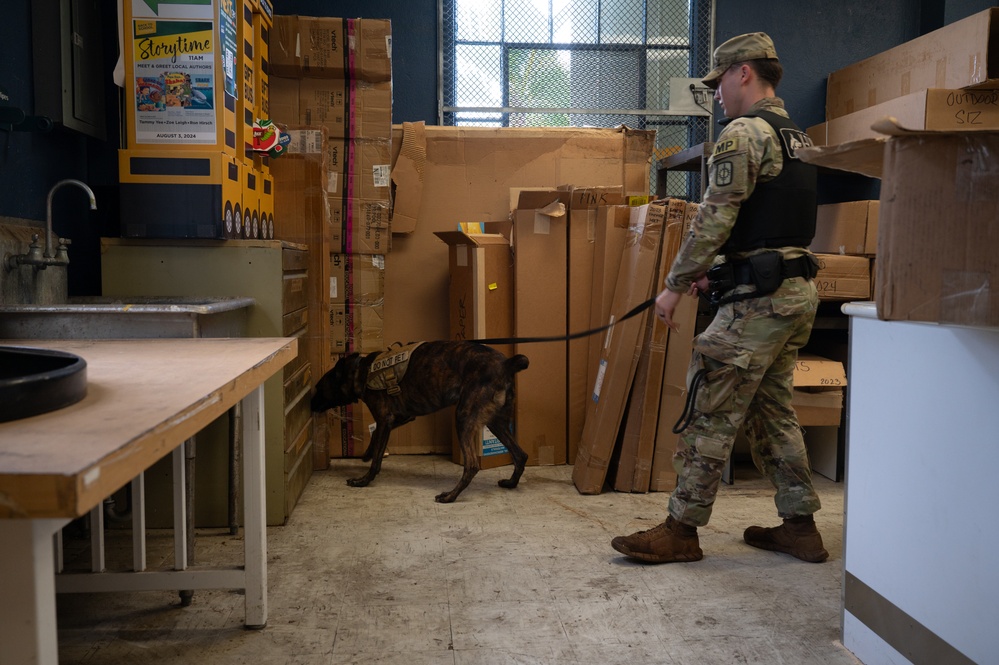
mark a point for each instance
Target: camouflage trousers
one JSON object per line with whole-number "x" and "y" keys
{"x": 749, "y": 351}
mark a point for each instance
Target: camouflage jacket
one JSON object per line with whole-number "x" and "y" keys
{"x": 751, "y": 152}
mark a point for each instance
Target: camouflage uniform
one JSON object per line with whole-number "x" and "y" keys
{"x": 750, "y": 347}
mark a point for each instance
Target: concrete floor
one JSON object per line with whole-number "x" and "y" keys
{"x": 384, "y": 574}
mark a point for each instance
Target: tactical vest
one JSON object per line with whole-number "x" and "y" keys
{"x": 781, "y": 211}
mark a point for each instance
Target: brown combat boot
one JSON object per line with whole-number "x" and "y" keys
{"x": 670, "y": 541}
{"x": 797, "y": 536}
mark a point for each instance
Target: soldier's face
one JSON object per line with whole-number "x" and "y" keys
{"x": 728, "y": 92}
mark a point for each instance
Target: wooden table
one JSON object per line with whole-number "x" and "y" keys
{"x": 144, "y": 399}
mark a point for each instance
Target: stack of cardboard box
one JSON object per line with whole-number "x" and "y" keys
{"x": 331, "y": 90}
{"x": 196, "y": 82}
{"x": 923, "y": 117}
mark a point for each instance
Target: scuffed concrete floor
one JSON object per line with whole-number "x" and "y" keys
{"x": 384, "y": 574}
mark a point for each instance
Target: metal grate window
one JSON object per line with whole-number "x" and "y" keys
{"x": 581, "y": 63}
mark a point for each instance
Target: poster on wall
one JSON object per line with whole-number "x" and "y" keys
{"x": 182, "y": 70}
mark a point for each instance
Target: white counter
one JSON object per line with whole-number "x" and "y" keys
{"x": 921, "y": 584}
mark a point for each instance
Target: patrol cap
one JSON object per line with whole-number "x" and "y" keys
{"x": 751, "y": 46}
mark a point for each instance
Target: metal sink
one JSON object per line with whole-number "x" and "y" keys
{"x": 127, "y": 317}
{"x": 35, "y": 381}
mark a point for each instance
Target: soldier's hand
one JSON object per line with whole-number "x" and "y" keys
{"x": 665, "y": 306}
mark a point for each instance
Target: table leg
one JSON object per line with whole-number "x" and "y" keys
{"x": 27, "y": 577}
{"x": 254, "y": 509}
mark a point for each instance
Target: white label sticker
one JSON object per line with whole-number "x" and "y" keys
{"x": 388, "y": 45}
{"x": 333, "y": 287}
{"x": 382, "y": 175}
{"x": 331, "y": 181}
{"x": 90, "y": 477}
{"x": 378, "y": 261}
{"x": 600, "y": 380}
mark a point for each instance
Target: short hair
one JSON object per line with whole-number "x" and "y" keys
{"x": 770, "y": 71}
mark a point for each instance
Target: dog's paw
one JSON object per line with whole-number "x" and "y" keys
{"x": 508, "y": 483}
{"x": 445, "y": 497}
{"x": 358, "y": 482}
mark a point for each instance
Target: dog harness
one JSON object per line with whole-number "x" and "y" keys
{"x": 389, "y": 367}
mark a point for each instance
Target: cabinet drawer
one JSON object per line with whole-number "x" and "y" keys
{"x": 294, "y": 293}
{"x": 294, "y": 260}
{"x": 292, "y": 322}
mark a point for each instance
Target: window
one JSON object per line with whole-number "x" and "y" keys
{"x": 581, "y": 63}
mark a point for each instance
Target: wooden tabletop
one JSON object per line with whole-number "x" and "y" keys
{"x": 144, "y": 397}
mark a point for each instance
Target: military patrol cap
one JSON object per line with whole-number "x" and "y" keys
{"x": 751, "y": 46}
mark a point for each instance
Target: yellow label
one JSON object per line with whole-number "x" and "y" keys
{"x": 145, "y": 27}
{"x": 728, "y": 145}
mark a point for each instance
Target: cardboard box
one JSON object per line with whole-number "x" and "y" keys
{"x": 847, "y": 228}
{"x": 172, "y": 194}
{"x": 938, "y": 235}
{"x": 540, "y": 309}
{"x": 454, "y": 174}
{"x": 323, "y": 47}
{"x": 481, "y": 302}
{"x": 284, "y": 100}
{"x": 358, "y": 192}
{"x": 619, "y": 358}
{"x": 818, "y": 408}
{"x": 955, "y": 56}
{"x": 356, "y": 303}
{"x": 843, "y": 277}
{"x": 818, "y": 373}
{"x": 934, "y": 109}
{"x": 355, "y": 109}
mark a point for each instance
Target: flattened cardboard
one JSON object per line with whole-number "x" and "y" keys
{"x": 619, "y": 358}
{"x": 935, "y": 109}
{"x": 958, "y": 55}
{"x": 583, "y": 207}
{"x": 847, "y": 228}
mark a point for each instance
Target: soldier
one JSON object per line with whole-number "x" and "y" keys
{"x": 746, "y": 249}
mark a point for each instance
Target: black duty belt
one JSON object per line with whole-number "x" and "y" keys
{"x": 742, "y": 272}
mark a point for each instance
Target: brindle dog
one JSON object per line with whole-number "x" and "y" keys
{"x": 477, "y": 379}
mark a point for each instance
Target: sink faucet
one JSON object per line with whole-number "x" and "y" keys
{"x": 60, "y": 256}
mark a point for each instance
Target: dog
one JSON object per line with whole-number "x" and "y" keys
{"x": 476, "y": 379}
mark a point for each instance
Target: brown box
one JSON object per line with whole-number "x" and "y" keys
{"x": 818, "y": 408}
{"x": 356, "y": 303}
{"x": 540, "y": 309}
{"x": 818, "y": 373}
{"x": 938, "y": 235}
{"x": 323, "y": 47}
{"x": 354, "y": 109}
{"x": 847, "y": 228}
{"x": 955, "y": 56}
{"x": 843, "y": 277}
{"x": 448, "y": 175}
{"x": 481, "y": 301}
{"x": 284, "y": 100}
{"x": 934, "y": 109}
{"x": 619, "y": 359}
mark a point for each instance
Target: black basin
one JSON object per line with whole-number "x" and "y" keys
{"x": 34, "y": 381}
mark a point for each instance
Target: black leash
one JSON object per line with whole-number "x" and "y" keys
{"x": 564, "y": 338}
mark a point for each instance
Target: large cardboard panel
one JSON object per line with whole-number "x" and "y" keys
{"x": 583, "y": 207}
{"x": 481, "y": 302}
{"x": 847, "y": 228}
{"x": 466, "y": 175}
{"x": 608, "y": 248}
{"x": 955, "y": 56}
{"x": 934, "y": 109}
{"x": 937, "y": 238}
{"x": 843, "y": 277}
{"x": 619, "y": 359}
{"x": 540, "y": 310}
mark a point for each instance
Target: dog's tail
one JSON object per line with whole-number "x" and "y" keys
{"x": 516, "y": 364}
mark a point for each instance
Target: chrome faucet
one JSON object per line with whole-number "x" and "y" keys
{"x": 58, "y": 257}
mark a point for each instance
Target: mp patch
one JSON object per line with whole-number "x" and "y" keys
{"x": 726, "y": 146}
